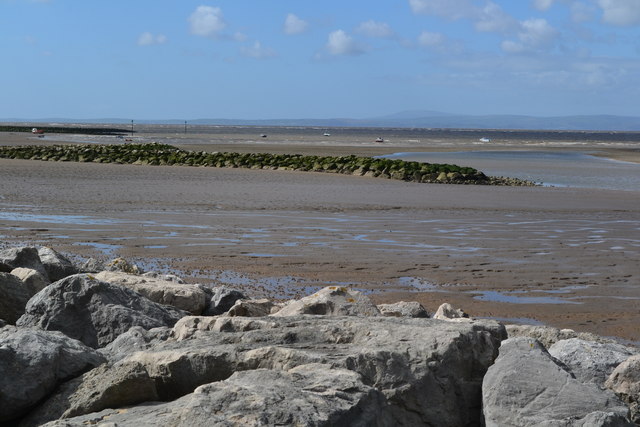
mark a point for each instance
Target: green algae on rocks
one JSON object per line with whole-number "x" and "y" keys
{"x": 163, "y": 154}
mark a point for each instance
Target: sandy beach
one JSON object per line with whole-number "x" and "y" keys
{"x": 565, "y": 257}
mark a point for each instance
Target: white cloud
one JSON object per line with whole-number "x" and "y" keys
{"x": 295, "y": 25}
{"x": 543, "y": 5}
{"x": 207, "y": 21}
{"x": 534, "y": 34}
{"x": 492, "y": 19}
{"x": 340, "y": 43}
{"x": 428, "y": 39}
{"x": 375, "y": 29}
{"x": 147, "y": 39}
{"x": 450, "y": 9}
{"x": 620, "y": 12}
{"x": 581, "y": 12}
{"x": 257, "y": 51}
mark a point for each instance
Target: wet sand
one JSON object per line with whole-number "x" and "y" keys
{"x": 565, "y": 257}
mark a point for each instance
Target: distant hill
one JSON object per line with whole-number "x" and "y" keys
{"x": 404, "y": 119}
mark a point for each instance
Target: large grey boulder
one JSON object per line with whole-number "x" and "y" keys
{"x": 425, "y": 371}
{"x": 56, "y": 265}
{"x": 190, "y": 298}
{"x": 221, "y": 300}
{"x": 590, "y": 361}
{"x": 625, "y": 382}
{"x": 526, "y": 386}
{"x": 14, "y": 296}
{"x": 34, "y": 362}
{"x": 332, "y": 300}
{"x": 31, "y": 279}
{"x": 308, "y": 395}
{"x": 403, "y": 309}
{"x": 548, "y": 335}
{"x": 93, "y": 311}
{"x": 25, "y": 256}
{"x": 251, "y": 308}
{"x": 135, "y": 339}
{"x": 103, "y": 387}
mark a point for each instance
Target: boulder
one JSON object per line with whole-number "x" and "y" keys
{"x": 190, "y": 298}
{"x": 447, "y": 312}
{"x": 590, "y": 361}
{"x": 57, "y": 265}
{"x": 165, "y": 277}
{"x": 221, "y": 300}
{"x": 92, "y": 265}
{"x": 135, "y": 339}
{"x": 103, "y": 387}
{"x": 14, "y": 296}
{"x": 527, "y": 386}
{"x": 31, "y": 279}
{"x": 403, "y": 309}
{"x": 548, "y": 335}
{"x": 427, "y": 372}
{"x": 332, "y": 300}
{"x": 26, "y": 257}
{"x": 122, "y": 265}
{"x": 308, "y": 395}
{"x": 625, "y": 382}
{"x": 34, "y": 362}
{"x": 251, "y": 308}
{"x": 93, "y": 311}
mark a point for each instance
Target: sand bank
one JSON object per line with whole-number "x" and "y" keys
{"x": 560, "y": 256}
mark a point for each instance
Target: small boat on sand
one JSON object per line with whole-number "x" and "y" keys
{"x": 379, "y": 139}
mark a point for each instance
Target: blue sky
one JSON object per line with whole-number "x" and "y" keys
{"x": 257, "y": 59}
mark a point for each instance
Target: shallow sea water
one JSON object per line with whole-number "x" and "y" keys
{"x": 561, "y": 169}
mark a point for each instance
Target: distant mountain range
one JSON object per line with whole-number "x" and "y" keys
{"x": 405, "y": 119}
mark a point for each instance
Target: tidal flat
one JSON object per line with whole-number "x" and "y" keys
{"x": 565, "y": 256}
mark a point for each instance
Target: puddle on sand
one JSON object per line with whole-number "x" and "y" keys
{"x": 104, "y": 248}
{"x": 496, "y": 296}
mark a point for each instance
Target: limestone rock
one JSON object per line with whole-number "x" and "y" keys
{"x": 92, "y": 265}
{"x": 185, "y": 297}
{"x": 332, "y": 300}
{"x": 14, "y": 296}
{"x": 32, "y": 364}
{"x": 57, "y": 265}
{"x": 251, "y": 308}
{"x": 590, "y": 361}
{"x": 135, "y": 339}
{"x": 308, "y": 395}
{"x": 26, "y": 257}
{"x": 93, "y": 311}
{"x": 122, "y": 265}
{"x": 221, "y": 300}
{"x": 625, "y": 382}
{"x": 165, "y": 277}
{"x": 32, "y": 280}
{"x": 548, "y": 335}
{"x": 403, "y": 309}
{"x": 527, "y": 386}
{"x": 428, "y": 371}
{"x": 447, "y": 312}
{"x": 103, "y": 387}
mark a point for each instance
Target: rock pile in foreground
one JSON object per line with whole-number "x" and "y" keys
{"x": 123, "y": 348}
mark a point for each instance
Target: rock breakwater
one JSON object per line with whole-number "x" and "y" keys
{"x": 162, "y": 154}
{"x": 105, "y": 348}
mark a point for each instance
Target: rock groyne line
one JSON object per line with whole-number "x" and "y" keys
{"x": 162, "y": 154}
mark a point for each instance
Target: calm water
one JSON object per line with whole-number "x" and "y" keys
{"x": 564, "y": 169}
